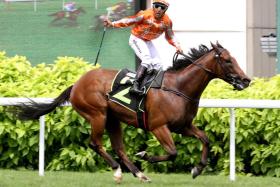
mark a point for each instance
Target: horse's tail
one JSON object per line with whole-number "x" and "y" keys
{"x": 34, "y": 110}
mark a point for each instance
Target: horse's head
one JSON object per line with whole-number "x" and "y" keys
{"x": 228, "y": 68}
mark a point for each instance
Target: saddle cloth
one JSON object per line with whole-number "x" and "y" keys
{"x": 123, "y": 81}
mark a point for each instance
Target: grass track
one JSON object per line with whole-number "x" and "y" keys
{"x": 11, "y": 178}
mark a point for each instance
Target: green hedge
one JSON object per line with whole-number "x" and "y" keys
{"x": 67, "y": 134}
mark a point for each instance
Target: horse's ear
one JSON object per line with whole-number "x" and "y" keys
{"x": 218, "y": 44}
{"x": 214, "y": 46}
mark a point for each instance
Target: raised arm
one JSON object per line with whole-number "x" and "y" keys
{"x": 170, "y": 37}
{"x": 124, "y": 22}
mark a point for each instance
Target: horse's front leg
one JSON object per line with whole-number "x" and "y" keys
{"x": 163, "y": 135}
{"x": 116, "y": 136}
{"x": 194, "y": 131}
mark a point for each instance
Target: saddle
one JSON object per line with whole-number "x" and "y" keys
{"x": 120, "y": 94}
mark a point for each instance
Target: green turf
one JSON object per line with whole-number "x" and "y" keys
{"x": 28, "y": 33}
{"x": 11, "y": 178}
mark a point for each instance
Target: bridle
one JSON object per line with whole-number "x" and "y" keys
{"x": 218, "y": 60}
{"x": 227, "y": 75}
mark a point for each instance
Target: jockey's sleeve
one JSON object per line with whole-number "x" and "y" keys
{"x": 170, "y": 37}
{"x": 128, "y": 21}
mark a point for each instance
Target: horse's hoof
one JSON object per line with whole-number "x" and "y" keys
{"x": 118, "y": 175}
{"x": 118, "y": 179}
{"x": 142, "y": 177}
{"x": 195, "y": 172}
{"x": 141, "y": 154}
{"x": 145, "y": 179}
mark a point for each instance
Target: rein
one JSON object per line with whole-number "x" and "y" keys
{"x": 178, "y": 93}
{"x": 218, "y": 60}
{"x": 175, "y": 57}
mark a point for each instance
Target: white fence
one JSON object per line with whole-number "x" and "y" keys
{"x": 206, "y": 103}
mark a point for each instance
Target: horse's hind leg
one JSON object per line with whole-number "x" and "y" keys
{"x": 97, "y": 121}
{"x": 113, "y": 127}
{"x": 163, "y": 135}
{"x": 194, "y": 131}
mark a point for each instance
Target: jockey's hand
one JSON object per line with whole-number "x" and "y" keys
{"x": 179, "y": 49}
{"x": 107, "y": 23}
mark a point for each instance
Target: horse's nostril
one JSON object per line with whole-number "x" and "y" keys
{"x": 246, "y": 80}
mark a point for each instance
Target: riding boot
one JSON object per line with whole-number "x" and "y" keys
{"x": 153, "y": 72}
{"x": 140, "y": 74}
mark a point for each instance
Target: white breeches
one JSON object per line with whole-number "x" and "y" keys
{"x": 147, "y": 52}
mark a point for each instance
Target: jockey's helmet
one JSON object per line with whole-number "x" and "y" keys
{"x": 164, "y": 2}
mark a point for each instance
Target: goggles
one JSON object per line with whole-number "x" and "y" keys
{"x": 161, "y": 6}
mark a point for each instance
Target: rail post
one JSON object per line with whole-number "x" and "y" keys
{"x": 42, "y": 146}
{"x": 232, "y": 145}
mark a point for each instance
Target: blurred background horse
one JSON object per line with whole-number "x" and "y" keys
{"x": 71, "y": 16}
{"x": 115, "y": 12}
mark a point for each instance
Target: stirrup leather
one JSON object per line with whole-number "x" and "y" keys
{"x": 135, "y": 88}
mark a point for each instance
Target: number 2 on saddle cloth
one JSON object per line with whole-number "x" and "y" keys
{"x": 120, "y": 92}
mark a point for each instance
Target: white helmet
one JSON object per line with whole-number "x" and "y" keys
{"x": 164, "y": 2}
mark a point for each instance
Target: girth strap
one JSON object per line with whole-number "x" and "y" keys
{"x": 181, "y": 95}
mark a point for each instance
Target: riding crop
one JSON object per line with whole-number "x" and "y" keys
{"x": 104, "y": 31}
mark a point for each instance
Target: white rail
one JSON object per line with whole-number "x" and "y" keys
{"x": 206, "y": 103}
{"x": 231, "y": 104}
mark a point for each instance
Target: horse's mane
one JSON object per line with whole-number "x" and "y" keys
{"x": 192, "y": 56}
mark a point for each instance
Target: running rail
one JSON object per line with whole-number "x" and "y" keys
{"x": 205, "y": 103}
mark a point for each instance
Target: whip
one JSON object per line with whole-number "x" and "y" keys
{"x": 104, "y": 31}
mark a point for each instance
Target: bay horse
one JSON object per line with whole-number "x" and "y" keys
{"x": 71, "y": 16}
{"x": 171, "y": 108}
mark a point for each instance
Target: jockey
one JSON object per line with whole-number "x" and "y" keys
{"x": 70, "y": 6}
{"x": 148, "y": 25}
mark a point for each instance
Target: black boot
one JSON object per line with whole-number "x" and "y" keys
{"x": 140, "y": 74}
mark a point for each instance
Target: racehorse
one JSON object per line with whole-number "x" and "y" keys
{"x": 71, "y": 16}
{"x": 119, "y": 9}
{"x": 171, "y": 108}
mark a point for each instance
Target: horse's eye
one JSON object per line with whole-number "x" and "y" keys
{"x": 228, "y": 61}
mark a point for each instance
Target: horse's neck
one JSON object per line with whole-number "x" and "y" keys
{"x": 77, "y": 11}
{"x": 193, "y": 79}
